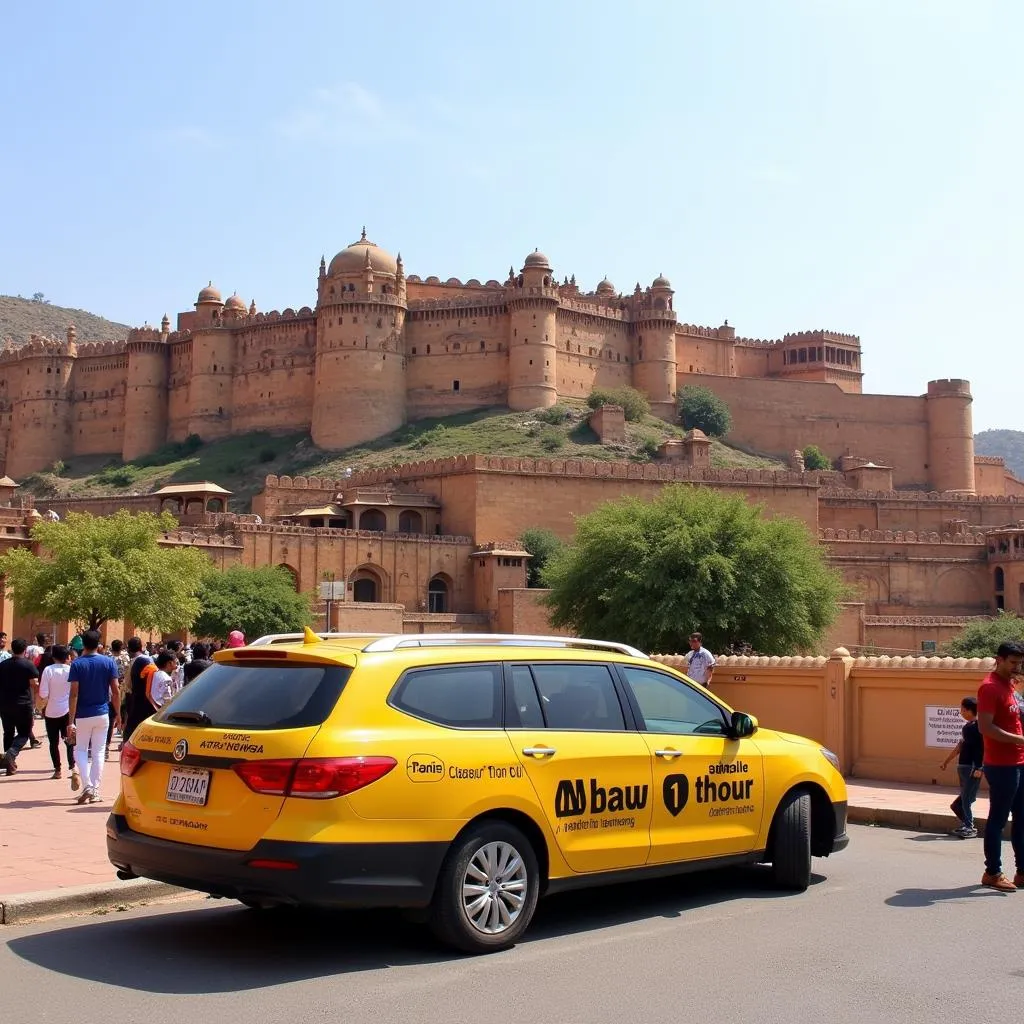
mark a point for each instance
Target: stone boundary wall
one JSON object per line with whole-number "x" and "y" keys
{"x": 872, "y": 711}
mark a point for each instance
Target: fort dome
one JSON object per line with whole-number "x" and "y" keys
{"x": 209, "y": 294}
{"x": 235, "y": 302}
{"x": 353, "y": 259}
{"x": 605, "y": 287}
{"x": 537, "y": 259}
{"x": 661, "y": 282}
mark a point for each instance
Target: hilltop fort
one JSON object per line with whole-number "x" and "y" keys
{"x": 382, "y": 348}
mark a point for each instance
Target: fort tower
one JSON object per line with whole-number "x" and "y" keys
{"x": 360, "y": 350}
{"x": 533, "y": 342}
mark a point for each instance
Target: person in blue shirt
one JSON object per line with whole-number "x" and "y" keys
{"x": 94, "y": 691}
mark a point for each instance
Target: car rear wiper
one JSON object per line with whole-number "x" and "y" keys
{"x": 199, "y": 717}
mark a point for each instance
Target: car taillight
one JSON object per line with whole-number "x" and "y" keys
{"x": 268, "y": 777}
{"x": 313, "y": 778}
{"x": 131, "y": 758}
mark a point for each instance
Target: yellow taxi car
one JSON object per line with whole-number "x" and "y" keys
{"x": 464, "y": 775}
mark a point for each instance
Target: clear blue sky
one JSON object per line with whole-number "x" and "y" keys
{"x": 789, "y": 164}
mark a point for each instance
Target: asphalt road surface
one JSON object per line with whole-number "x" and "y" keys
{"x": 893, "y": 929}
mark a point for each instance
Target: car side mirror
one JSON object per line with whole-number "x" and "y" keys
{"x": 742, "y": 725}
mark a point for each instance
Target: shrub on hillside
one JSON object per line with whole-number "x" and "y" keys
{"x": 649, "y": 443}
{"x": 118, "y": 476}
{"x": 815, "y": 458}
{"x": 701, "y": 409}
{"x": 552, "y": 439}
{"x": 634, "y": 403}
{"x": 556, "y": 414}
{"x": 268, "y": 455}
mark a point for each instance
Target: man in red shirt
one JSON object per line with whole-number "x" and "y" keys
{"x": 1000, "y": 725}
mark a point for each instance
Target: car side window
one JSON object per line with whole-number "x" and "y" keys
{"x": 668, "y": 705}
{"x": 578, "y": 696}
{"x": 525, "y": 699}
{"x": 461, "y": 696}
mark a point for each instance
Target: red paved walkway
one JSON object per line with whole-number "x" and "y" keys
{"x": 48, "y": 842}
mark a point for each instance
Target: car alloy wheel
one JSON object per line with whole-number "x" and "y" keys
{"x": 494, "y": 888}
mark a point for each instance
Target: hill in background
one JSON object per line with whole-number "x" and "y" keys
{"x": 241, "y": 463}
{"x": 21, "y": 318}
{"x": 1006, "y": 443}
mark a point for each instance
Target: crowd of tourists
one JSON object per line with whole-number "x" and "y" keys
{"x": 85, "y": 694}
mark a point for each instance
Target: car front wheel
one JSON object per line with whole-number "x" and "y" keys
{"x": 791, "y": 843}
{"x": 487, "y": 890}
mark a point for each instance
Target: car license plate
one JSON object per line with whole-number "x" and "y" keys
{"x": 188, "y": 786}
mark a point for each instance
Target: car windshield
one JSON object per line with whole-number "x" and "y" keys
{"x": 258, "y": 695}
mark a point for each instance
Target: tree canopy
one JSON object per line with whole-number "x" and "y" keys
{"x": 650, "y": 573}
{"x": 256, "y": 601}
{"x": 701, "y": 409}
{"x": 93, "y": 568}
{"x": 981, "y": 639}
{"x": 541, "y": 545}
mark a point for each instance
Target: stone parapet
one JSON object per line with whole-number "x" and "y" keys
{"x": 831, "y": 536}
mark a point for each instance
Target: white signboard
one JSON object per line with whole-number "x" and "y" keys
{"x": 942, "y": 726}
{"x": 332, "y": 591}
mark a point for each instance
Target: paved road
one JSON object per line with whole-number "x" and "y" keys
{"x": 893, "y": 929}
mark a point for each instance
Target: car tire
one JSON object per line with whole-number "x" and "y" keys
{"x": 470, "y": 913}
{"x": 791, "y": 843}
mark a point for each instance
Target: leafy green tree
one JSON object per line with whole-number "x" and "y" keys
{"x": 541, "y": 544}
{"x": 701, "y": 409}
{"x": 635, "y": 405}
{"x": 256, "y": 601}
{"x": 93, "y": 568}
{"x": 815, "y": 458}
{"x": 981, "y": 639}
{"x": 649, "y": 573}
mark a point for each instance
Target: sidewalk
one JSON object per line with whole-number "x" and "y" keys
{"x": 48, "y": 842}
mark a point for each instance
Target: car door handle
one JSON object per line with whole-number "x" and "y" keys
{"x": 670, "y": 753}
{"x": 539, "y": 751}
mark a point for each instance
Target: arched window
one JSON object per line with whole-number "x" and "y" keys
{"x": 292, "y": 573}
{"x": 437, "y": 595}
{"x": 1000, "y": 581}
{"x": 365, "y": 589}
{"x": 410, "y": 522}
{"x": 374, "y": 520}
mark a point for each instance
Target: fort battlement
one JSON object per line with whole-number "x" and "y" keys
{"x": 95, "y": 349}
{"x": 580, "y": 468}
{"x": 953, "y": 386}
{"x": 38, "y": 347}
{"x": 846, "y": 495}
{"x": 831, "y": 536}
{"x": 805, "y": 337}
{"x": 452, "y": 282}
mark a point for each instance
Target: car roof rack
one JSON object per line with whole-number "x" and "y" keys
{"x": 397, "y": 641}
{"x": 288, "y": 638}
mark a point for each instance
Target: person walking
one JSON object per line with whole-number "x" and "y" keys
{"x": 17, "y": 674}
{"x": 93, "y": 679}
{"x": 999, "y": 719}
{"x": 55, "y": 698}
{"x": 139, "y": 674}
{"x": 969, "y": 753}
{"x": 700, "y": 662}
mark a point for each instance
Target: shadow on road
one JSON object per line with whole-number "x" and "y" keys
{"x": 222, "y": 947}
{"x": 930, "y": 897}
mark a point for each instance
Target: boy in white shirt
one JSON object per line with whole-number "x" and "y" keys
{"x": 54, "y": 696}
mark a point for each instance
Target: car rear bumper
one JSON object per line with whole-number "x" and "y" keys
{"x": 326, "y": 874}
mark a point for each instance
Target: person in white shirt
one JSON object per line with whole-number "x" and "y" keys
{"x": 700, "y": 662}
{"x": 161, "y": 689}
{"x": 54, "y": 697}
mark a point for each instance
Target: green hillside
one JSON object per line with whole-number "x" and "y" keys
{"x": 1009, "y": 444}
{"x": 241, "y": 463}
{"x": 20, "y": 318}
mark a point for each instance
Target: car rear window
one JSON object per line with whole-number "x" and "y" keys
{"x": 259, "y": 695}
